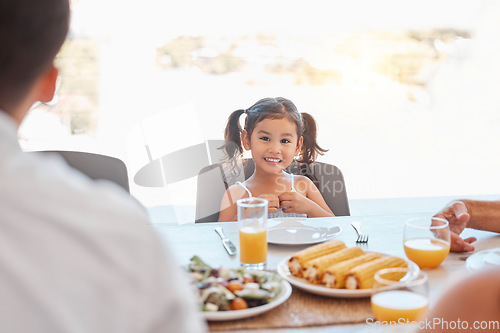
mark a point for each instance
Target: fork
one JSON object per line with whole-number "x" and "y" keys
{"x": 362, "y": 238}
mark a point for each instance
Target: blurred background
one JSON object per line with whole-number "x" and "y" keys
{"x": 406, "y": 93}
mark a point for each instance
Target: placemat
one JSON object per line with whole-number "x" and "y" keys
{"x": 303, "y": 309}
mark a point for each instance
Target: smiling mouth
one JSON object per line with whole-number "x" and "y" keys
{"x": 273, "y": 160}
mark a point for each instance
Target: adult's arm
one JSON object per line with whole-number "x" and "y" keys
{"x": 484, "y": 215}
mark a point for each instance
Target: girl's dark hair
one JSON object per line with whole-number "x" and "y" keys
{"x": 272, "y": 108}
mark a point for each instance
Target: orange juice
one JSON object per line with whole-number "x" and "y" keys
{"x": 253, "y": 244}
{"x": 397, "y": 305}
{"x": 425, "y": 252}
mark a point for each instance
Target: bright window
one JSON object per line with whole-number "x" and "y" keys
{"x": 406, "y": 94}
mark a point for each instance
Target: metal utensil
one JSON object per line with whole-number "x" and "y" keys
{"x": 362, "y": 238}
{"x": 228, "y": 245}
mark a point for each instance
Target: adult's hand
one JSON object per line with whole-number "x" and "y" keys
{"x": 457, "y": 215}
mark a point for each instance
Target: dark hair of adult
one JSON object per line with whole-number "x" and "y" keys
{"x": 31, "y": 34}
{"x": 272, "y": 108}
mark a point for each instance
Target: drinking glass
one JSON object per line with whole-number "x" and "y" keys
{"x": 427, "y": 241}
{"x": 400, "y": 295}
{"x": 252, "y": 220}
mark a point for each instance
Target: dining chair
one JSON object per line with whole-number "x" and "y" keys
{"x": 214, "y": 179}
{"x": 96, "y": 166}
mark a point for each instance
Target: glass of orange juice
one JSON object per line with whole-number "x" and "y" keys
{"x": 427, "y": 241}
{"x": 252, "y": 219}
{"x": 400, "y": 296}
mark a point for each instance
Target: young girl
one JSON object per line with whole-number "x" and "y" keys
{"x": 275, "y": 132}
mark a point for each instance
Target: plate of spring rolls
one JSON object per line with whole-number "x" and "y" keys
{"x": 299, "y": 231}
{"x": 332, "y": 269}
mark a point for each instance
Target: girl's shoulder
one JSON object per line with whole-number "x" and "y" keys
{"x": 302, "y": 184}
{"x": 237, "y": 191}
{"x": 237, "y": 187}
{"x": 301, "y": 179}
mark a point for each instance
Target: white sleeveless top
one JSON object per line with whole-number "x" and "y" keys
{"x": 280, "y": 212}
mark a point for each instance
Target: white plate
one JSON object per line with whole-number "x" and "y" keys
{"x": 484, "y": 259}
{"x": 286, "y": 291}
{"x": 284, "y": 272}
{"x": 292, "y": 231}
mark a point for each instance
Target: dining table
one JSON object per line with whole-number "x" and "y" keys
{"x": 305, "y": 311}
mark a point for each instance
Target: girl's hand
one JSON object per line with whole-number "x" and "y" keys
{"x": 294, "y": 202}
{"x": 274, "y": 202}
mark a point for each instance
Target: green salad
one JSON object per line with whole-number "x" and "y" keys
{"x": 225, "y": 289}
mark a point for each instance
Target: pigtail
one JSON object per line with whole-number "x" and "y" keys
{"x": 310, "y": 148}
{"x": 232, "y": 136}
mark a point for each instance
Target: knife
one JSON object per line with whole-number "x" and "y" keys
{"x": 228, "y": 245}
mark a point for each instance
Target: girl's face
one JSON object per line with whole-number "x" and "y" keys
{"x": 273, "y": 144}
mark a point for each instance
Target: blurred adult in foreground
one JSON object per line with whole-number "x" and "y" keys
{"x": 481, "y": 215}
{"x": 469, "y": 305}
{"x": 75, "y": 255}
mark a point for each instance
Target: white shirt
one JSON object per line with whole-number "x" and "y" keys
{"x": 78, "y": 255}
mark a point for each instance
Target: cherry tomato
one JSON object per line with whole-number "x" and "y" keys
{"x": 248, "y": 279}
{"x": 234, "y": 285}
{"x": 239, "y": 304}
